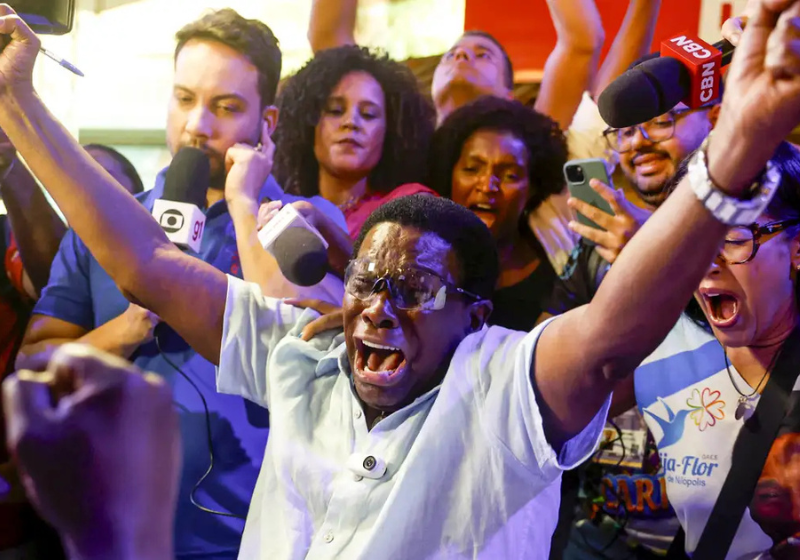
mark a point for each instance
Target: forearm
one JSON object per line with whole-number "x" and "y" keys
{"x": 87, "y": 195}
{"x": 37, "y": 227}
{"x": 258, "y": 265}
{"x": 571, "y": 66}
{"x": 632, "y": 42}
{"x": 332, "y": 24}
{"x": 340, "y": 246}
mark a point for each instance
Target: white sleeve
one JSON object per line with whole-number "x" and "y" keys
{"x": 253, "y": 325}
{"x": 512, "y": 414}
{"x": 585, "y": 133}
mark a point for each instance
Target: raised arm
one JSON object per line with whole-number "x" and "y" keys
{"x": 332, "y": 24}
{"x": 644, "y": 292}
{"x": 571, "y": 66}
{"x": 37, "y": 227}
{"x": 632, "y": 42}
{"x": 185, "y": 292}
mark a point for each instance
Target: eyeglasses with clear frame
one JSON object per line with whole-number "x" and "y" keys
{"x": 409, "y": 287}
{"x": 742, "y": 242}
{"x": 659, "y": 129}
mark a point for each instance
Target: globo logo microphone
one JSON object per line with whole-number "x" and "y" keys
{"x": 182, "y": 222}
{"x": 171, "y": 221}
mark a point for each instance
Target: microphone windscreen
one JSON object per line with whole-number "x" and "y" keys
{"x": 187, "y": 177}
{"x": 644, "y": 92}
{"x": 301, "y": 256}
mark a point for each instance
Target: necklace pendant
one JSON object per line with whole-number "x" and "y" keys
{"x": 743, "y": 410}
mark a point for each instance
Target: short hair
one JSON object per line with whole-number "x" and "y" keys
{"x": 509, "y": 67}
{"x": 127, "y": 167}
{"x": 546, "y": 145}
{"x": 409, "y": 120}
{"x": 468, "y": 236}
{"x": 249, "y": 37}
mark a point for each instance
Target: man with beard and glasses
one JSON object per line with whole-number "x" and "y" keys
{"x": 226, "y": 75}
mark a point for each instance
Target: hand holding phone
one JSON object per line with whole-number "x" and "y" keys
{"x": 578, "y": 173}
{"x": 606, "y": 219}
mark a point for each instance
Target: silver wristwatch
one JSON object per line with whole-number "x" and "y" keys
{"x": 727, "y": 209}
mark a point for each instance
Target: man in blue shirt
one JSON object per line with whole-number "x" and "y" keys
{"x": 226, "y": 75}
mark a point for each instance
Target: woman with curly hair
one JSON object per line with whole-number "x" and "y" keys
{"x": 501, "y": 159}
{"x": 354, "y": 129}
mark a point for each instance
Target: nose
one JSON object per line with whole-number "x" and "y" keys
{"x": 462, "y": 54}
{"x": 199, "y": 123}
{"x": 638, "y": 139}
{"x": 489, "y": 183}
{"x": 716, "y": 265}
{"x": 380, "y": 312}
{"x": 351, "y": 120}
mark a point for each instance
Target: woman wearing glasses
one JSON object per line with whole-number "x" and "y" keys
{"x": 706, "y": 378}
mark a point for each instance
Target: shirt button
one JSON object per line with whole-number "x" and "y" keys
{"x": 358, "y": 414}
{"x": 369, "y": 463}
{"x": 328, "y": 537}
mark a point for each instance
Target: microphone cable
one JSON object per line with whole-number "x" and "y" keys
{"x": 196, "y": 487}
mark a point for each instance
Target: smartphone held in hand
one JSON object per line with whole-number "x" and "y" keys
{"x": 578, "y": 173}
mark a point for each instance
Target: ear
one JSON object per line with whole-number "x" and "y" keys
{"x": 479, "y": 314}
{"x": 794, "y": 247}
{"x": 270, "y": 116}
{"x": 713, "y": 114}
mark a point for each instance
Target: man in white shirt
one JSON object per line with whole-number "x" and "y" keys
{"x": 469, "y": 425}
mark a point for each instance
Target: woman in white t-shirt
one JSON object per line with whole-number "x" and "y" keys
{"x": 697, "y": 389}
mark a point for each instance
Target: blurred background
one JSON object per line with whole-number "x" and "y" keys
{"x": 125, "y": 48}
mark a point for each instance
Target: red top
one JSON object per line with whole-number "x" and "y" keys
{"x": 357, "y": 215}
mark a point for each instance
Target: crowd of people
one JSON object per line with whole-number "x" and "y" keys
{"x": 446, "y": 390}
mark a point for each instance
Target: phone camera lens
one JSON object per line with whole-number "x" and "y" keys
{"x": 575, "y": 174}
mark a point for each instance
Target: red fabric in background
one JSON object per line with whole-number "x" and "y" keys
{"x": 526, "y": 30}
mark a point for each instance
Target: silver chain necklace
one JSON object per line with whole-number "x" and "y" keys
{"x": 745, "y": 409}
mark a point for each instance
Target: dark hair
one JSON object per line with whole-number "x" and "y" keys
{"x": 463, "y": 230}
{"x": 409, "y": 120}
{"x": 124, "y": 163}
{"x": 509, "y": 77}
{"x": 784, "y": 205}
{"x": 547, "y": 147}
{"x": 249, "y": 37}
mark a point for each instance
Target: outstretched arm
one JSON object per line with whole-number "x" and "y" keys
{"x": 631, "y": 43}
{"x": 647, "y": 288}
{"x": 185, "y": 292}
{"x": 571, "y": 66}
{"x": 332, "y": 24}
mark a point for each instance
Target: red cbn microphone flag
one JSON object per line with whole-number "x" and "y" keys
{"x": 704, "y": 63}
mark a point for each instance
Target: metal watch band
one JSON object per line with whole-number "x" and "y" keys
{"x": 727, "y": 209}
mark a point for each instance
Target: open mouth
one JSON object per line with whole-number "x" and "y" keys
{"x": 723, "y": 308}
{"x": 482, "y": 208}
{"x": 379, "y": 364}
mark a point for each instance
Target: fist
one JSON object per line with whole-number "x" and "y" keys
{"x": 98, "y": 448}
{"x": 138, "y": 324}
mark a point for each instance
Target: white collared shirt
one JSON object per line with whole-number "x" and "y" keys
{"x": 464, "y": 471}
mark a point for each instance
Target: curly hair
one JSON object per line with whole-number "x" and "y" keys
{"x": 547, "y": 147}
{"x": 409, "y": 120}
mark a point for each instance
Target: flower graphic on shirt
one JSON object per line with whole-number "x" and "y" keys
{"x": 706, "y": 407}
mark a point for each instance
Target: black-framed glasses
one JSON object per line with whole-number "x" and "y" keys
{"x": 742, "y": 242}
{"x": 655, "y": 130}
{"x": 409, "y": 287}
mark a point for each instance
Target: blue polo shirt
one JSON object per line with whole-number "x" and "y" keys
{"x": 80, "y": 292}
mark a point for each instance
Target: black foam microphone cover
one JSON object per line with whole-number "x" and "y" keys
{"x": 644, "y": 92}
{"x": 301, "y": 256}
{"x": 187, "y": 177}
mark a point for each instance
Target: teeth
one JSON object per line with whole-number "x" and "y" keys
{"x": 483, "y": 207}
{"x": 380, "y": 346}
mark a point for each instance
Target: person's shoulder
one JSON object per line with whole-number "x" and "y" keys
{"x": 408, "y": 189}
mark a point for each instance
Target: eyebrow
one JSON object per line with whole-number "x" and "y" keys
{"x": 341, "y": 99}
{"x": 216, "y": 98}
